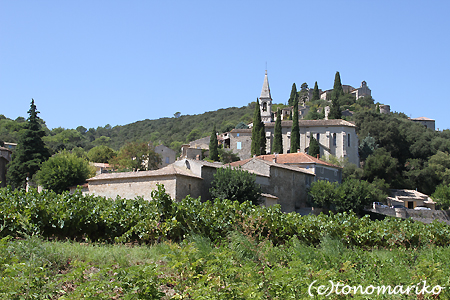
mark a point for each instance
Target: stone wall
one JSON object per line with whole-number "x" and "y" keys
{"x": 425, "y": 216}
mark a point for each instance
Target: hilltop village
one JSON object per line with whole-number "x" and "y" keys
{"x": 284, "y": 176}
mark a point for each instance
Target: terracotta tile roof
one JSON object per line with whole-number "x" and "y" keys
{"x": 271, "y": 163}
{"x": 313, "y": 123}
{"x": 295, "y": 158}
{"x": 166, "y": 171}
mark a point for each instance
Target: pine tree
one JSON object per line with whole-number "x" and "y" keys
{"x": 316, "y": 94}
{"x": 295, "y": 131}
{"x": 337, "y": 87}
{"x": 294, "y": 95}
{"x": 31, "y": 151}
{"x": 314, "y": 147}
{"x": 256, "y": 131}
{"x": 213, "y": 146}
{"x": 278, "y": 140}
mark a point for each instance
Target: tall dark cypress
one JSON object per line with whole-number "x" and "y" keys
{"x": 256, "y": 131}
{"x": 337, "y": 87}
{"x": 294, "y": 96}
{"x": 295, "y": 131}
{"x": 278, "y": 140}
{"x": 213, "y": 146}
{"x": 30, "y": 152}
{"x": 335, "y": 109}
{"x": 316, "y": 94}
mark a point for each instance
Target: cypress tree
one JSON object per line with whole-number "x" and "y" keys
{"x": 335, "y": 109}
{"x": 277, "y": 140}
{"x": 294, "y": 96}
{"x": 213, "y": 146}
{"x": 337, "y": 87}
{"x": 262, "y": 139}
{"x": 316, "y": 94}
{"x": 30, "y": 152}
{"x": 295, "y": 131}
{"x": 256, "y": 131}
{"x": 314, "y": 147}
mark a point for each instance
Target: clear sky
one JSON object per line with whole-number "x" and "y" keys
{"x": 93, "y": 63}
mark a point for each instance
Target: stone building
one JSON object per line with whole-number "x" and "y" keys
{"x": 427, "y": 122}
{"x": 5, "y": 157}
{"x": 335, "y": 137}
{"x": 362, "y": 91}
{"x": 323, "y": 170}
{"x": 168, "y": 156}
{"x": 286, "y": 183}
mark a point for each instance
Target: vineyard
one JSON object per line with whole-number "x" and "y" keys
{"x": 61, "y": 246}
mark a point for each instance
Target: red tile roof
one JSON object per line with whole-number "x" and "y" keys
{"x": 295, "y": 158}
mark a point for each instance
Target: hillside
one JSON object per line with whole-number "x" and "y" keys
{"x": 172, "y": 132}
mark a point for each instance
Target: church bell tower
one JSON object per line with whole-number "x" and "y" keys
{"x": 265, "y": 101}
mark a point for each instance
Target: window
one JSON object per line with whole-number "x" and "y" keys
{"x": 318, "y": 137}
{"x": 237, "y": 134}
{"x": 348, "y": 140}
{"x": 238, "y": 145}
{"x": 334, "y": 139}
{"x": 167, "y": 160}
{"x": 264, "y": 108}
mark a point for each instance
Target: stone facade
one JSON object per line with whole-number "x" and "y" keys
{"x": 5, "y": 157}
{"x": 178, "y": 183}
{"x": 427, "y": 122}
{"x": 288, "y": 184}
{"x": 336, "y": 137}
{"x": 168, "y": 156}
{"x": 322, "y": 170}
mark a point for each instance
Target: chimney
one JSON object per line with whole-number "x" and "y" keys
{"x": 317, "y": 156}
{"x": 197, "y": 157}
{"x": 298, "y": 151}
{"x": 274, "y": 159}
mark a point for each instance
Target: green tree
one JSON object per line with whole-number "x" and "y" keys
{"x": 442, "y": 196}
{"x": 241, "y": 125}
{"x": 227, "y": 157}
{"x": 236, "y": 185}
{"x": 440, "y": 164}
{"x": 295, "y": 130}
{"x": 63, "y": 170}
{"x": 314, "y": 147}
{"x": 213, "y": 146}
{"x": 337, "y": 86}
{"x": 323, "y": 193}
{"x": 366, "y": 147}
{"x": 303, "y": 94}
{"x": 382, "y": 165}
{"x": 335, "y": 109}
{"x": 278, "y": 138}
{"x": 356, "y": 194}
{"x": 137, "y": 156}
{"x": 316, "y": 94}
{"x": 101, "y": 154}
{"x": 258, "y": 146}
{"x": 294, "y": 95}
{"x": 194, "y": 135}
{"x": 31, "y": 151}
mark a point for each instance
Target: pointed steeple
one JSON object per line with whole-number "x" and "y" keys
{"x": 265, "y": 92}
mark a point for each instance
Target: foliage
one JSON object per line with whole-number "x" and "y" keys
{"x": 258, "y": 146}
{"x": 440, "y": 164}
{"x": 137, "y": 156}
{"x": 295, "y": 130}
{"x": 303, "y": 94}
{"x": 30, "y": 152}
{"x": 337, "y": 87}
{"x": 442, "y": 196}
{"x": 293, "y": 98}
{"x": 278, "y": 138}
{"x": 315, "y": 94}
{"x": 366, "y": 147}
{"x": 352, "y": 194}
{"x": 63, "y": 170}
{"x": 213, "y": 146}
{"x": 236, "y": 185}
{"x": 101, "y": 154}
{"x": 381, "y": 165}
{"x": 241, "y": 125}
{"x": 314, "y": 147}
{"x": 335, "y": 109}
{"x": 227, "y": 157}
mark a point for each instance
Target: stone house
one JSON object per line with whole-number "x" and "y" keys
{"x": 323, "y": 170}
{"x": 5, "y": 157}
{"x": 288, "y": 184}
{"x": 168, "y": 156}
{"x": 409, "y": 199}
{"x": 427, "y": 122}
{"x": 362, "y": 91}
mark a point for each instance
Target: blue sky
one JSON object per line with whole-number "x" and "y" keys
{"x": 93, "y": 63}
